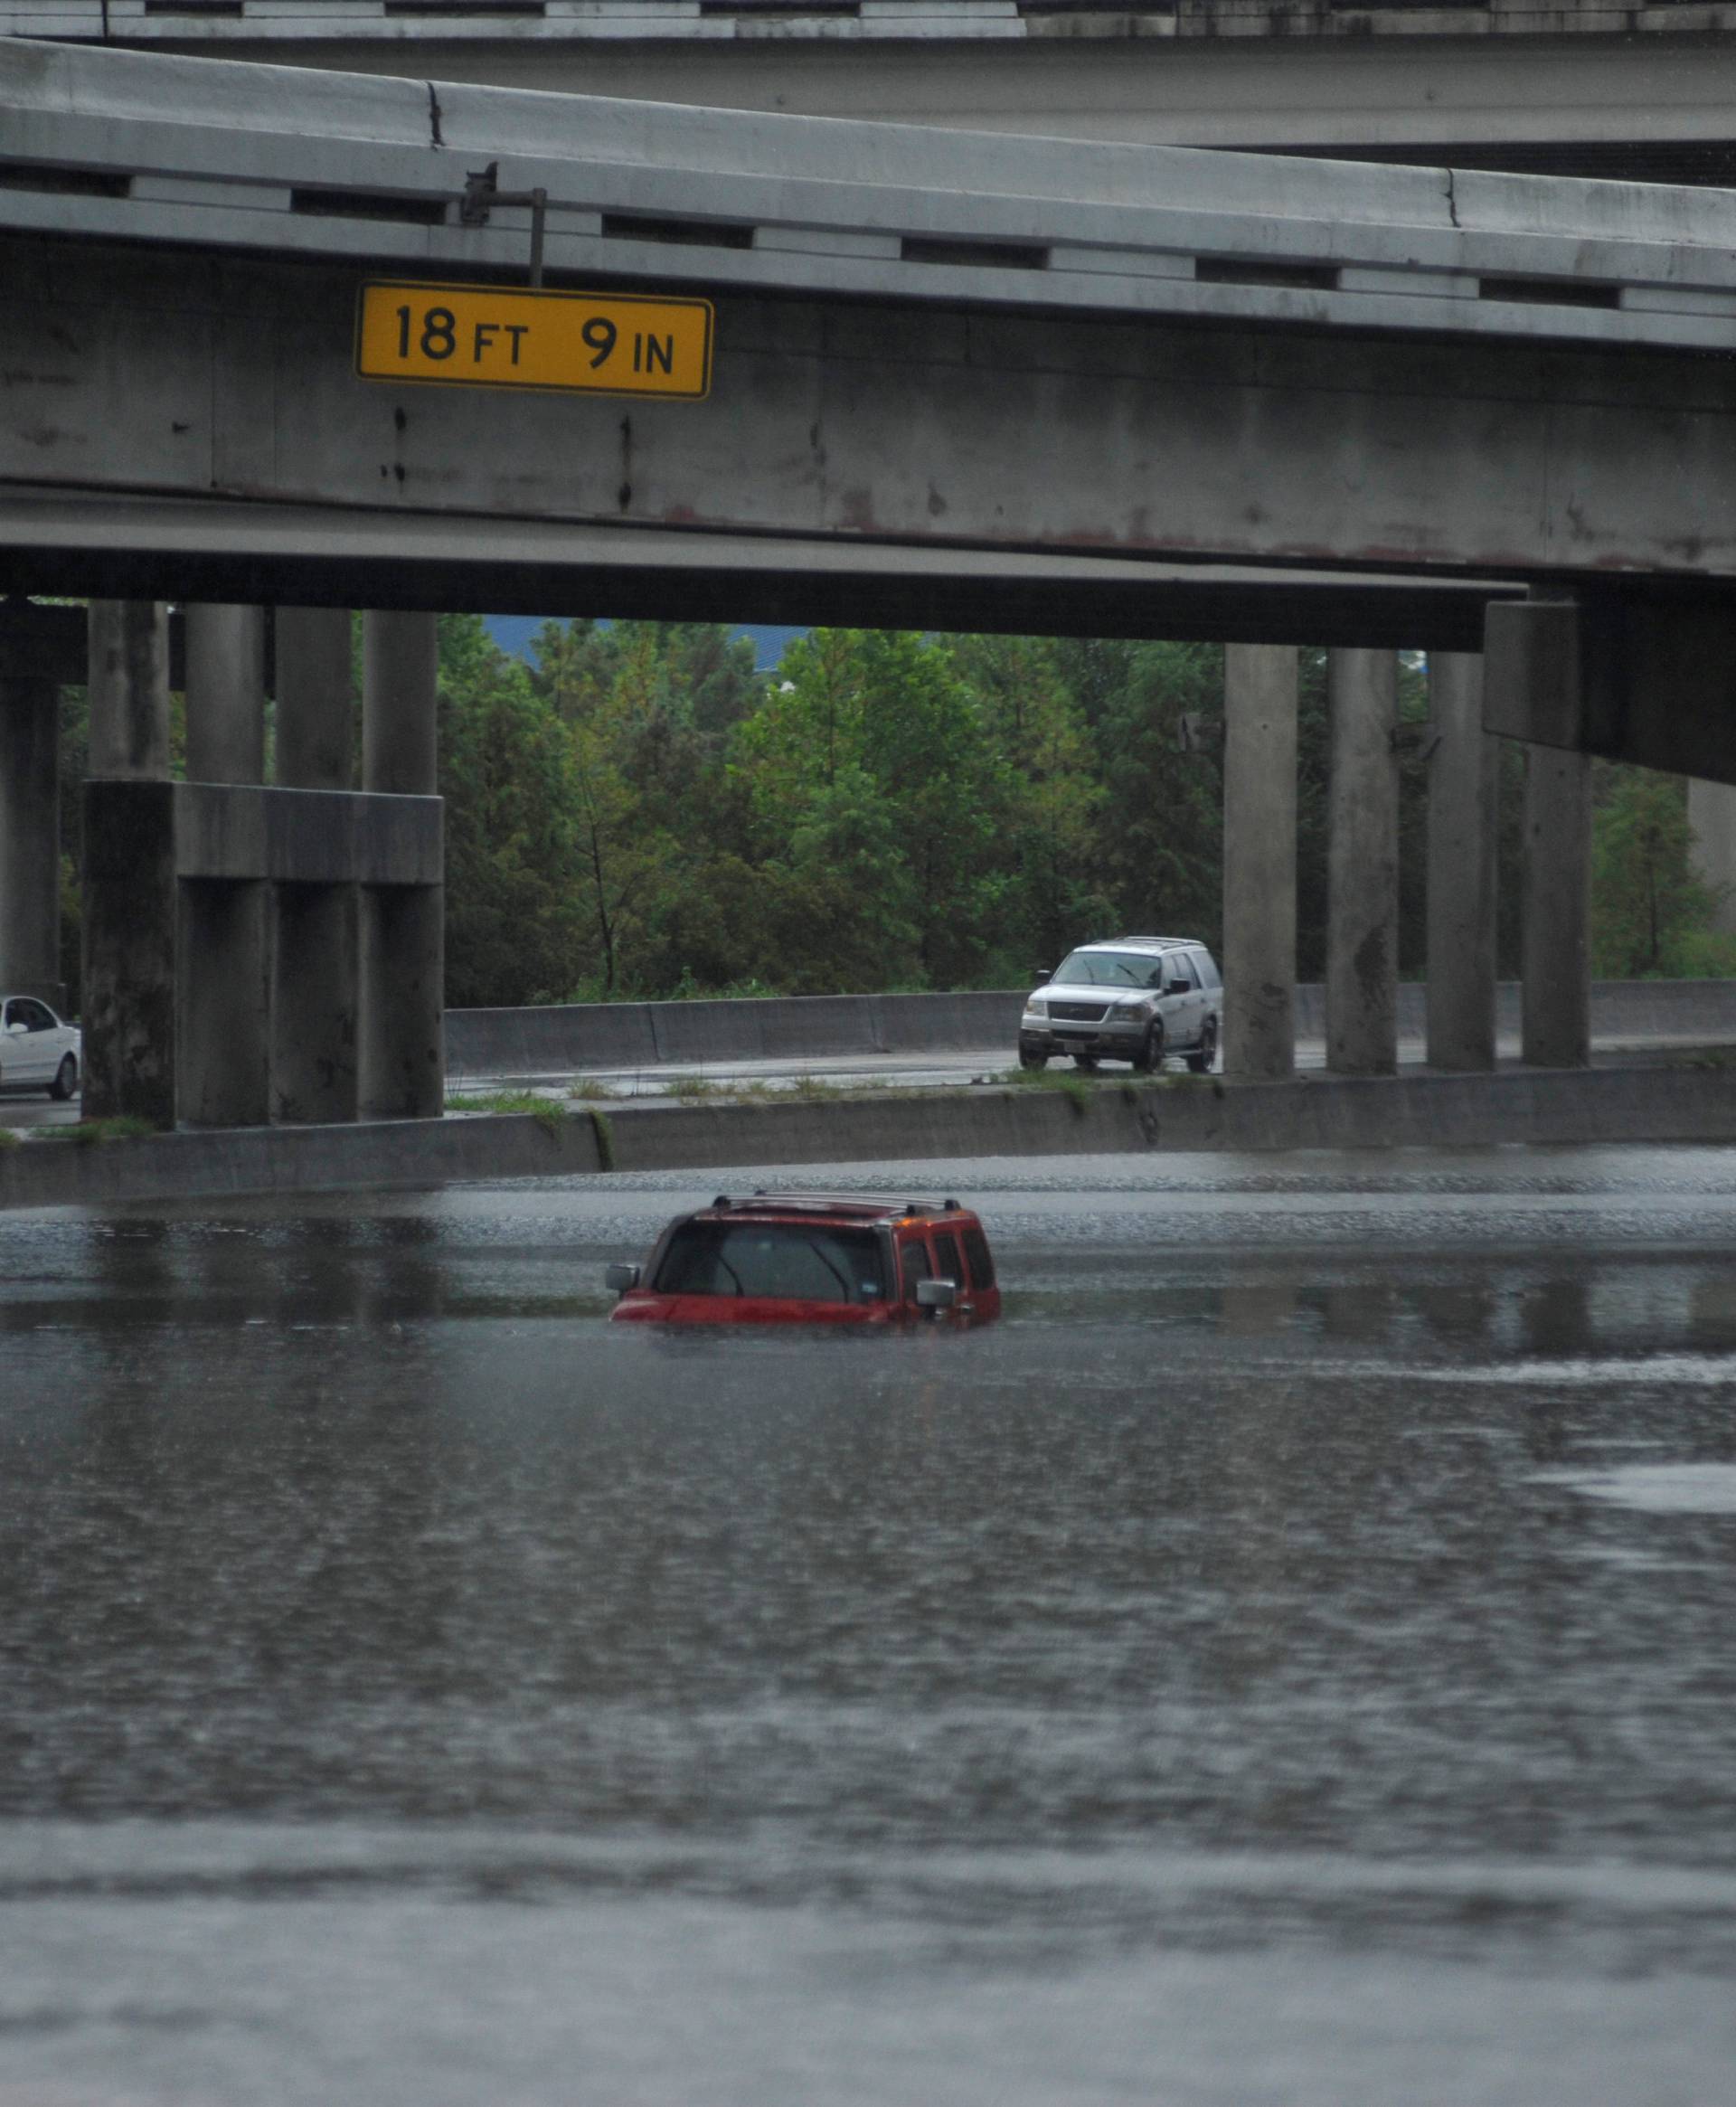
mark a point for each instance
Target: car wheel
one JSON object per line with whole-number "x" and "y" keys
{"x": 1027, "y": 1060}
{"x": 1200, "y": 1062}
{"x": 1088, "y": 1062}
{"x": 66, "y": 1079}
{"x": 1150, "y": 1055}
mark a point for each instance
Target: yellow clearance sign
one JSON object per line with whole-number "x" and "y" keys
{"x": 601, "y": 343}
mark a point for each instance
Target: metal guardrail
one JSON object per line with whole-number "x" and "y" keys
{"x": 218, "y": 23}
{"x": 189, "y": 152}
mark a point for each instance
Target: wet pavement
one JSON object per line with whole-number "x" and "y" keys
{"x": 1289, "y": 1659}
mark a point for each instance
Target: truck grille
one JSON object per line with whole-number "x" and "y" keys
{"x": 1078, "y": 1013}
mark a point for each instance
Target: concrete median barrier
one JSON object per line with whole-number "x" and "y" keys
{"x": 1177, "y": 1114}
{"x": 568, "y": 1038}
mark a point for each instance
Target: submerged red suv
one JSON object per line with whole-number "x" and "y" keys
{"x": 813, "y": 1258}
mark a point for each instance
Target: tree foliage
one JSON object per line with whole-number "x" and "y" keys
{"x": 638, "y": 812}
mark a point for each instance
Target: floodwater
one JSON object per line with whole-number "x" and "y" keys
{"x": 1290, "y": 1659}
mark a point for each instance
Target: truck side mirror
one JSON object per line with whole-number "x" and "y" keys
{"x": 935, "y": 1294}
{"x": 619, "y": 1279}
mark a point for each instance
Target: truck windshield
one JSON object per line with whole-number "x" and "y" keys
{"x": 796, "y": 1261}
{"x": 1112, "y": 969}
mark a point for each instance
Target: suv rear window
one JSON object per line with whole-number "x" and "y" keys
{"x": 796, "y": 1261}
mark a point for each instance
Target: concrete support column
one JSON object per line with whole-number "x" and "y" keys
{"x": 1260, "y": 695}
{"x": 130, "y": 922}
{"x": 1363, "y": 864}
{"x": 1463, "y": 791}
{"x": 401, "y": 1058}
{"x": 225, "y": 994}
{"x": 129, "y": 689}
{"x": 30, "y": 825}
{"x": 400, "y": 677}
{"x": 1555, "y": 1007}
{"x": 225, "y": 677}
{"x": 315, "y": 724}
{"x": 315, "y": 948}
{"x": 223, "y": 1076}
{"x": 1712, "y": 823}
{"x": 403, "y": 982}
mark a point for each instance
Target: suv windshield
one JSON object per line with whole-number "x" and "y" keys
{"x": 1112, "y": 969}
{"x": 799, "y": 1262}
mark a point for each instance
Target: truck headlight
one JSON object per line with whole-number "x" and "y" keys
{"x": 1033, "y": 1009}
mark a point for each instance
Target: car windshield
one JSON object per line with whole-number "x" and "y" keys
{"x": 798, "y": 1261}
{"x": 1112, "y": 969}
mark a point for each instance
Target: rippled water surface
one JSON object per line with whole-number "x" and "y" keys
{"x": 1292, "y": 1658}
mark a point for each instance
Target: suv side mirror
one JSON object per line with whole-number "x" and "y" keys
{"x": 619, "y": 1279}
{"x": 935, "y": 1294}
{"x": 1178, "y": 987}
{"x": 1042, "y": 972}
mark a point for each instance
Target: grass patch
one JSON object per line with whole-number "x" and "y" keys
{"x": 603, "y": 1128}
{"x": 1075, "y": 1088}
{"x": 90, "y": 1133}
{"x": 504, "y": 1101}
{"x": 8, "y": 1139}
{"x": 551, "y": 1116}
{"x": 590, "y": 1089}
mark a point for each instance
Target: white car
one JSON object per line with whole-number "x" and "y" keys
{"x": 38, "y": 1050}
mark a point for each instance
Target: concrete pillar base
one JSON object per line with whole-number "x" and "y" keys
{"x": 314, "y": 978}
{"x": 225, "y": 1052}
{"x": 1259, "y": 693}
{"x": 130, "y": 926}
{"x": 403, "y": 978}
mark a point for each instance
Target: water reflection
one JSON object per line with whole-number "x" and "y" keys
{"x": 1273, "y": 1559}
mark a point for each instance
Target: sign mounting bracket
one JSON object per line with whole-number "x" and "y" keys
{"x": 482, "y": 193}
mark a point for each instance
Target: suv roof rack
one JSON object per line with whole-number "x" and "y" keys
{"x": 872, "y": 1203}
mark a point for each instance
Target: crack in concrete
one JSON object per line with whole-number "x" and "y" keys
{"x": 434, "y": 114}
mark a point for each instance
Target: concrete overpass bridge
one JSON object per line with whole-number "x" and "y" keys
{"x": 1581, "y": 87}
{"x": 953, "y": 371}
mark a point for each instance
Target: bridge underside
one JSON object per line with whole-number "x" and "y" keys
{"x": 136, "y": 372}
{"x": 228, "y": 550}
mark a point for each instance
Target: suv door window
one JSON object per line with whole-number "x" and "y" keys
{"x": 913, "y": 1264}
{"x": 35, "y": 1017}
{"x": 1209, "y": 974}
{"x": 951, "y": 1259}
{"x": 1178, "y": 966}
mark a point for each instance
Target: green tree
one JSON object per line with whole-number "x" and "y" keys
{"x": 1647, "y": 906}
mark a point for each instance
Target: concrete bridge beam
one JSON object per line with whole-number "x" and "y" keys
{"x": 1259, "y": 714}
{"x": 1462, "y": 844}
{"x": 1363, "y": 864}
